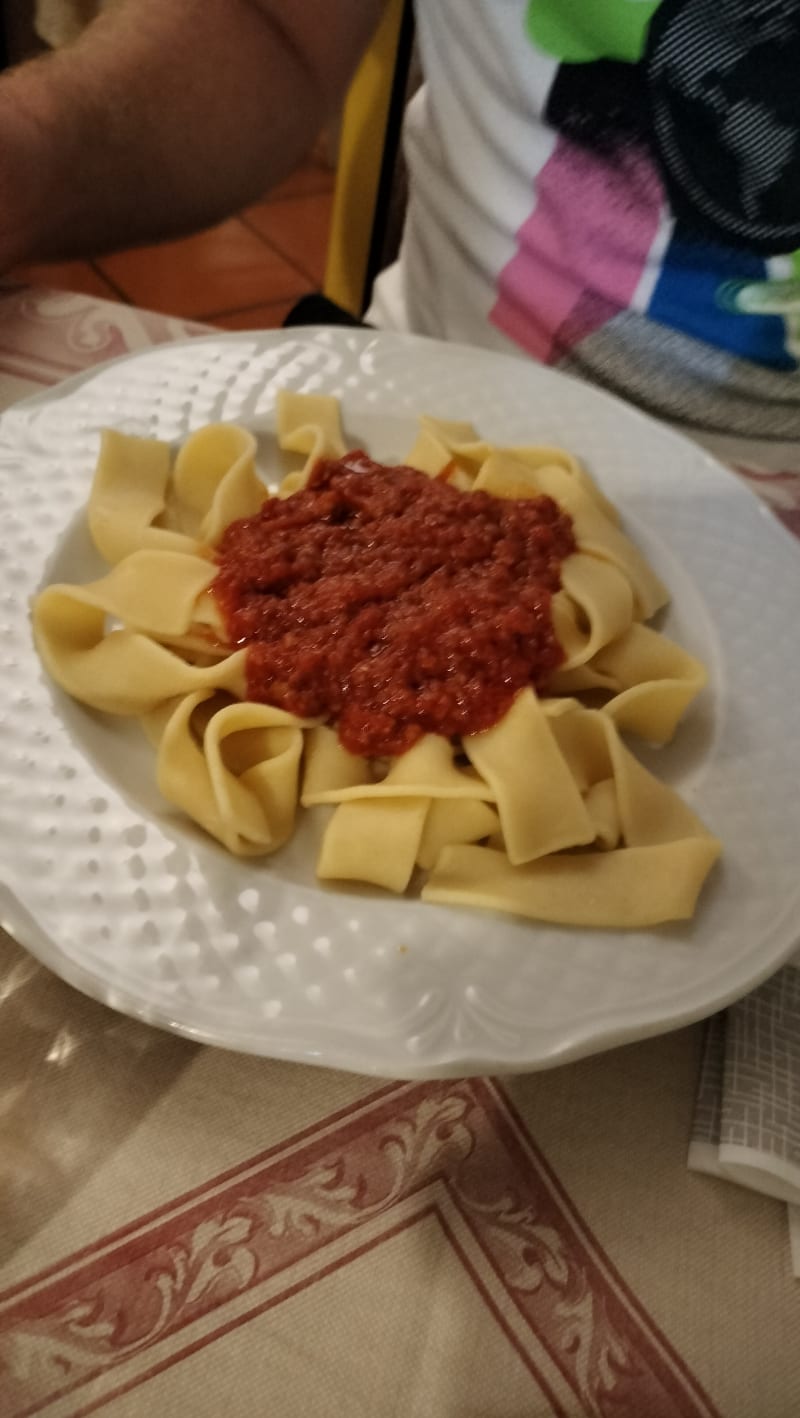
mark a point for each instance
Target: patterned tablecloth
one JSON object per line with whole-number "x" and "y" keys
{"x": 185, "y": 1231}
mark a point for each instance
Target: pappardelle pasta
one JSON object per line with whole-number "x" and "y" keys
{"x": 542, "y": 810}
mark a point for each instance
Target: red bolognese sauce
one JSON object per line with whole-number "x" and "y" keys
{"x": 392, "y": 604}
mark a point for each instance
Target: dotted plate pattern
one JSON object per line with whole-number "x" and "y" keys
{"x": 135, "y": 907}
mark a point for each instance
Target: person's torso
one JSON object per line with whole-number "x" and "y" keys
{"x": 613, "y": 186}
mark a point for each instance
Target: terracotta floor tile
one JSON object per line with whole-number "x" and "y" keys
{"x": 311, "y": 177}
{"x": 226, "y": 268}
{"x": 298, "y": 227}
{"x": 77, "y": 276}
{"x": 257, "y": 317}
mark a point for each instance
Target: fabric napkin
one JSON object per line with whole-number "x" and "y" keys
{"x": 746, "y": 1126}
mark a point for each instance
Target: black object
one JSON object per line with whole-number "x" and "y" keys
{"x": 316, "y": 309}
{"x": 602, "y": 105}
{"x": 376, "y": 259}
{"x": 722, "y": 80}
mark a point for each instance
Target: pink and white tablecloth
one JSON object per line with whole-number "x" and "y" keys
{"x": 185, "y": 1231}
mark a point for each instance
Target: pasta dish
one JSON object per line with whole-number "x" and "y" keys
{"x": 447, "y": 657}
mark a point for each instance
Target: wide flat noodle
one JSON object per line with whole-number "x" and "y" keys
{"x": 139, "y": 500}
{"x": 651, "y": 681}
{"x": 426, "y": 769}
{"x": 631, "y": 888}
{"x": 153, "y": 591}
{"x": 129, "y": 492}
{"x": 540, "y": 808}
{"x": 453, "y": 444}
{"x": 441, "y": 444}
{"x": 502, "y": 475}
{"x": 453, "y": 822}
{"x": 430, "y": 456}
{"x": 582, "y": 738}
{"x": 629, "y": 811}
{"x": 239, "y": 779}
{"x": 329, "y": 769}
{"x": 598, "y": 535}
{"x": 582, "y": 677}
{"x": 374, "y": 841}
{"x": 657, "y": 680}
{"x": 215, "y": 482}
{"x": 309, "y": 424}
{"x": 602, "y": 805}
{"x": 648, "y": 811}
{"x": 539, "y": 456}
{"x": 594, "y": 607}
{"x": 124, "y": 672}
{"x": 385, "y": 825}
{"x": 512, "y": 474}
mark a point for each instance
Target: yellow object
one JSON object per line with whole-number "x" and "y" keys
{"x": 358, "y": 171}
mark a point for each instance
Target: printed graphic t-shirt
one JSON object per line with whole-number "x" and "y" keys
{"x": 613, "y": 187}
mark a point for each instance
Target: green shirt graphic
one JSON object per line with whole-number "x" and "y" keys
{"x": 579, "y": 31}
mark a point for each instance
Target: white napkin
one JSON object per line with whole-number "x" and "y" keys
{"x": 746, "y": 1125}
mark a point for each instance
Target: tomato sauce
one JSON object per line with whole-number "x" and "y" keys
{"x": 392, "y": 604}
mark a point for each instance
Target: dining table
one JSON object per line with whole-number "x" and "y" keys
{"x": 190, "y": 1231}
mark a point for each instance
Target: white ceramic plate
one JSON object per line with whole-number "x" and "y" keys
{"x": 121, "y": 898}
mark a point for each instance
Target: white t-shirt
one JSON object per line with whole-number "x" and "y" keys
{"x": 562, "y": 204}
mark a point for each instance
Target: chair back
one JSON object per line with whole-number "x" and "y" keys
{"x": 367, "y": 160}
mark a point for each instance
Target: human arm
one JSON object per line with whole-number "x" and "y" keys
{"x": 165, "y": 116}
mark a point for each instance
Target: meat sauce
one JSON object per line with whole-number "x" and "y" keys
{"x": 391, "y": 604}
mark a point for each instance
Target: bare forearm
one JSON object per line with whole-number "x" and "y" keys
{"x": 166, "y": 116}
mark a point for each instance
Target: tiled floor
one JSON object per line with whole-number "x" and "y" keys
{"x": 244, "y": 274}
